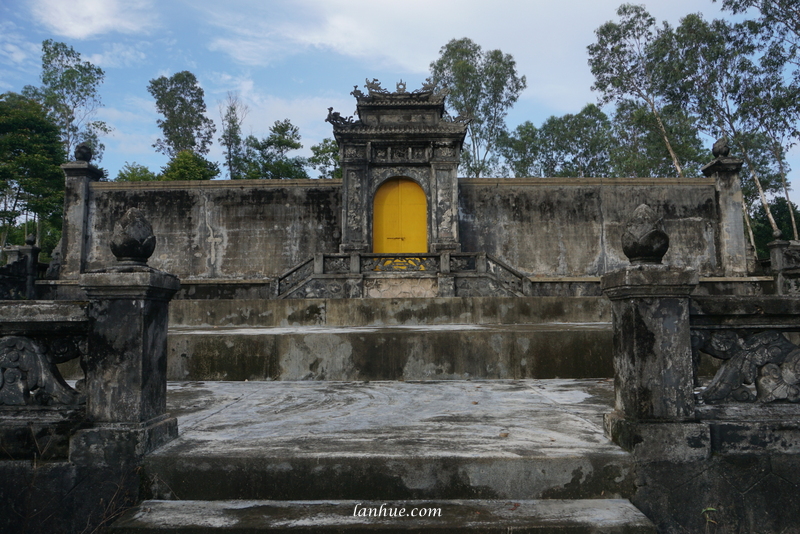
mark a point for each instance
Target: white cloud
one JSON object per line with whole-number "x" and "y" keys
{"x": 547, "y": 39}
{"x": 81, "y": 19}
{"x": 15, "y": 49}
{"x": 117, "y": 55}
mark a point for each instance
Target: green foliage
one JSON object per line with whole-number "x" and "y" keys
{"x": 232, "y": 114}
{"x": 31, "y": 152}
{"x": 762, "y": 230}
{"x": 48, "y": 234}
{"x": 576, "y": 145}
{"x": 572, "y": 145}
{"x": 482, "y": 86}
{"x": 187, "y": 165}
{"x": 325, "y": 159}
{"x": 179, "y": 99}
{"x": 638, "y": 148}
{"x": 268, "y": 158}
{"x": 133, "y": 172}
{"x": 70, "y": 93}
{"x": 623, "y": 63}
{"x": 520, "y": 149}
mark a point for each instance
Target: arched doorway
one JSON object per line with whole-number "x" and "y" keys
{"x": 400, "y": 218}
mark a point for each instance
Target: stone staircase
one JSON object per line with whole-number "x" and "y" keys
{"x": 296, "y": 413}
{"x": 390, "y": 339}
{"x": 472, "y": 456}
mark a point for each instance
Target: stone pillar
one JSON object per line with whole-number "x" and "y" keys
{"x": 652, "y": 342}
{"x": 653, "y": 372}
{"x": 126, "y": 382}
{"x": 74, "y": 230}
{"x": 31, "y": 254}
{"x": 732, "y": 244}
{"x": 785, "y": 266}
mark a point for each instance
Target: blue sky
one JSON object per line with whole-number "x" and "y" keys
{"x": 294, "y": 59}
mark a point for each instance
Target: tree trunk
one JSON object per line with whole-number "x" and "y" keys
{"x": 775, "y": 231}
{"x": 786, "y": 192}
{"x": 666, "y": 139}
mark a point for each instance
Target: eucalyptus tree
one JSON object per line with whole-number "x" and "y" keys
{"x": 622, "y": 63}
{"x": 638, "y": 148}
{"x": 70, "y": 94}
{"x": 482, "y": 87}
{"x": 705, "y": 65}
{"x": 179, "y": 99}
{"x": 576, "y": 145}
{"x": 232, "y": 114}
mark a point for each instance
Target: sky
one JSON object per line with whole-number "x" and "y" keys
{"x": 295, "y": 58}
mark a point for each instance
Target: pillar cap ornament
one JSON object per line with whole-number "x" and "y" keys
{"x": 644, "y": 240}
{"x": 133, "y": 241}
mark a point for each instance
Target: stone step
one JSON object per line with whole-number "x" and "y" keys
{"x": 605, "y": 516}
{"x": 388, "y": 312}
{"x": 406, "y": 352}
{"x": 390, "y": 440}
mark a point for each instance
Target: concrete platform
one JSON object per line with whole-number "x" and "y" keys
{"x": 500, "y": 517}
{"x": 499, "y": 439}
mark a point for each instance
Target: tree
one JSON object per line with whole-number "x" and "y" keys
{"x": 70, "y": 93}
{"x": 520, "y": 149}
{"x": 179, "y": 99}
{"x": 268, "y": 158}
{"x": 482, "y": 86}
{"x": 187, "y": 165}
{"x": 701, "y": 75}
{"x": 761, "y": 225}
{"x": 31, "y": 152}
{"x": 325, "y": 159}
{"x": 232, "y": 115}
{"x": 777, "y": 28}
{"x": 638, "y": 148}
{"x": 133, "y": 172}
{"x": 624, "y": 68}
{"x": 576, "y": 145}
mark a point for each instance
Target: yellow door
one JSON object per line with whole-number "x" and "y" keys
{"x": 400, "y": 223}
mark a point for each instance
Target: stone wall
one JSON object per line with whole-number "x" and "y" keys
{"x": 544, "y": 227}
{"x": 572, "y": 226}
{"x": 221, "y": 229}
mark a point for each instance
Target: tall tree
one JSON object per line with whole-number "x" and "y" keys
{"x": 622, "y": 63}
{"x": 482, "y": 86}
{"x": 701, "y": 74}
{"x": 70, "y": 93}
{"x": 638, "y": 148}
{"x": 232, "y": 114}
{"x": 31, "y": 153}
{"x": 268, "y": 158}
{"x": 325, "y": 159}
{"x": 521, "y": 149}
{"x": 179, "y": 99}
{"x": 576, "y": 145}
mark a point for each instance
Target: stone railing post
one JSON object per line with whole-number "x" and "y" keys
{"x": 732, "y": 256}
{"x": 126, "y": 382}
{"x": 785, "y": 266}
{"x": 74, "y": 230}
{"x": 653, "y": 372}
{"x": 31, "y": 254}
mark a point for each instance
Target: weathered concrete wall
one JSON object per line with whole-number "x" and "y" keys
{"x": 257, "y": 229}
{"x": 221, "y": 229}
{"x": 572, "y": 226}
